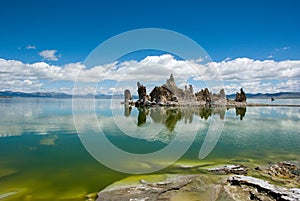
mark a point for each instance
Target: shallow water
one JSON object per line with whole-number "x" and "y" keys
{"x": 42, "y": 156}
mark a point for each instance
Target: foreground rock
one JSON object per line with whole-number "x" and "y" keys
{"x": 201, "y": 187}
{"x": 184, "y": 187}
{"x": 249, "y": 188}
{"x": 212, "y": 187}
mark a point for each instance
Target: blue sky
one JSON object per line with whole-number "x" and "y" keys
{"x": 65, "y": 32}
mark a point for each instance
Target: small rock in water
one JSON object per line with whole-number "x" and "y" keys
{"x": 5, "y": 195}
{"x": 143, "y": 181}
{"x": 230, "y": 169}
{"x": 283, "y": 170}
{"x": 287, "y": 173}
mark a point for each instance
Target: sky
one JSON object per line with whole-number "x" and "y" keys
{"x": 252, "y": 44}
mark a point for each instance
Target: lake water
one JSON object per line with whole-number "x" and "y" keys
{"x": 43, "y": 157}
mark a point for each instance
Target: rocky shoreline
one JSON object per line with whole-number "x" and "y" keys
{"x": 169, "y": 94}
{"x": 279, "y": 181}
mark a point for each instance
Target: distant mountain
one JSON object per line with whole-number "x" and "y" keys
{"x": 35, "y": 94}
{"x": 280, "y": 95}
{"x": 10, "y": 94}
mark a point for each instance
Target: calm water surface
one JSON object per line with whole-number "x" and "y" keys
{"x": 42, "y": 157}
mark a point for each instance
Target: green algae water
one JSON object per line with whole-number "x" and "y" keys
{"x": 43, "y": 158}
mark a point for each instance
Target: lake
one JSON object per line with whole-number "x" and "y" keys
{"x": 43, "y": 153}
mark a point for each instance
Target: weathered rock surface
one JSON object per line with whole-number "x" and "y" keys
{"x": 201, "y": 187}
{"x": 141, "y": 90}
{"x": 146, "y": 190}
{"x": 169, "y": 94}
{"x": 249, "y": 188}
{"x": 206, "y": 187}
{"x": 144, "y": 99}
{"x": 171, "y": 86}
{"x": 161, "y": 95}
{"x": 240, "y": 97}
{"x": 127, "y": 96}
{"x": 222, "y": 94}
{"x": 178, "y": 187}
{"x": 204, "y": 95}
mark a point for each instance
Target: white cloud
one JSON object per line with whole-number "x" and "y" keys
{"x": 27, "y": 82}
{"x": 49, "y": 55}
{"x": 286, "y": 48}
{"x": 30, "y": 47}
{"x": 199, "y": 60}
{"x": 245, "y": 69}
{"x": 18, "y": 76}
{"x": 254, "y": 76}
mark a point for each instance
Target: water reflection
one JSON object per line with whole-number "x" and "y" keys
{"x": 127, "y": 110}
{"x": 169, "y": 116}
{"x": 240, "y": 111}
{"x": 166, "y": 116}
{"x": 45, "y": 116}
{"x": 38, "y": 116}
{"x": 48, "y": 116}
{"x": 143, "y": 112}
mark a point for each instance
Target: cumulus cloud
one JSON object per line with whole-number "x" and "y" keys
{"x": 19, "y": 76}
{"x": 49, "y": 55}
{"x": 254, "y": 76}
{"x": 245, "y": 69}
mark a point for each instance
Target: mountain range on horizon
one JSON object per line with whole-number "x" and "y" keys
{"x": 11, "y": 94}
